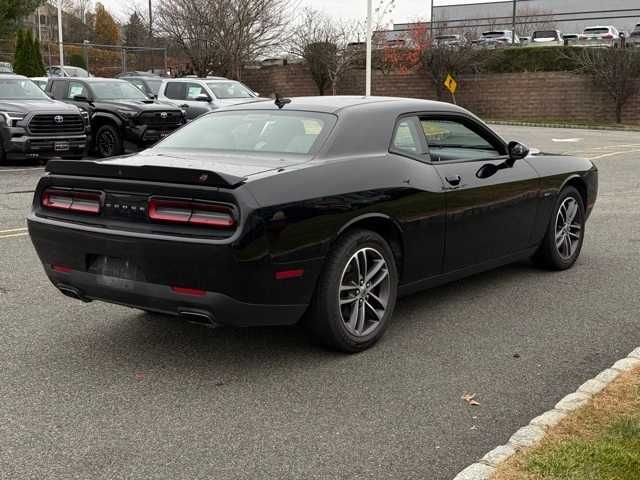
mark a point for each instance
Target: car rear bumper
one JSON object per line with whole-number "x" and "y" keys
{"x": 172, "y": 277}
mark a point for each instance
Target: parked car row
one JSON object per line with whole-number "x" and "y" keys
{"x": 595, "y": 36}
{"x": 71, "y": 115}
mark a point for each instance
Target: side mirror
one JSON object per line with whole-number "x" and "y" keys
{"x": 80, "y": 98}
{"x": 517, "y": 151}
{"x": 203, "y": 98}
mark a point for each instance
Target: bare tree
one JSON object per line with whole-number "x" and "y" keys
{"x": 615, "y": 70}
{"x": 332, "y": 47}
{"x": 442, "y": 61}
{"x": 222, "y": 35}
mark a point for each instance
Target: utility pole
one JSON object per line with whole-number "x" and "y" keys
{"x": 513, "y": 24}
{"x": 431, "y": 19}
{"x": 150, "y": 21}
{"x": 369, "y": 46}
{"x": 60, "y": 45}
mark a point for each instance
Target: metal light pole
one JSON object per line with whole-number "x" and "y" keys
{"x": 431, "y": 19}
{"x": 513, "y": 25}
{"x": 150, "y": 21}
{"x": 369, "y": 39}
{"x": 60, "y": 46}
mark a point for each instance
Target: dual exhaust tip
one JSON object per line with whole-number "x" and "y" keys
{"x": 191, "y": 316}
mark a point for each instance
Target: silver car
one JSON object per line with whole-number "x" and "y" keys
{"x": 634, "y": 38}
{"x": 201, "y": 95}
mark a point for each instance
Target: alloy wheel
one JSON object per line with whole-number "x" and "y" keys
{"x": 106, "y": 143}
{"x": 364, "y": 291}
{"x": 568, "y": 228}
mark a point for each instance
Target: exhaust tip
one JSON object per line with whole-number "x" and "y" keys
{"x": 199, "y": 318}
{"x": 73, "y": 293}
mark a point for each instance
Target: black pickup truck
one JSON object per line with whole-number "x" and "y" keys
{"x": 34, "y": 126}
{"x": 122, "y": 117}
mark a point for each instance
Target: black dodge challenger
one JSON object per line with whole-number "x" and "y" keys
{"x": 315, "y": 209}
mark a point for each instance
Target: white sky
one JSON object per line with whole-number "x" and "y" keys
{"x": 406, "y": 10}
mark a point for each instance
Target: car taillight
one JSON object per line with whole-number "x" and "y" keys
{"x": 608, "y": 36}
{"x": 72, "y": 201}
{"x": 193, "y": 213}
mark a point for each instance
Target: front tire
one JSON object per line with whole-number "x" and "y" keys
{"x": 356, "y": 294}
{"x": 562, "y": 243}
{"x": 108, "y": 141}
{"x": 3, "y": 155}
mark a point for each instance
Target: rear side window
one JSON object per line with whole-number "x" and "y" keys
{"x": 175, "y": 91}
{"x": 546, "y": 34}
{"x": 405, "y": 138}
{"x": 59, "y": 89}
{"x": 596, "y": 31}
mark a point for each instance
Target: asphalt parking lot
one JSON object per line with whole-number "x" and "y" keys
{"x": 106, "y": 392}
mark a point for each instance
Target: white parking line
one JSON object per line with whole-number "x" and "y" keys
{"x": 20, "y": 169}
{"x": 612, "y": 154}
{"x": 566, "y": 140}
{"x": 12, "y": 230}
{"x": 14, "y": 235}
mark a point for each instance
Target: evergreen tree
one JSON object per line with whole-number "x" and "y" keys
{"x": 19, "y": 62}
{"x": 40, "y": 71}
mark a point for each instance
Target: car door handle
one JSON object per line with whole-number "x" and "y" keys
{"x": 454, "y": 180}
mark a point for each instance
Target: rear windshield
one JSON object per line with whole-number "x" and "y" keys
{"x": 255, "y": 131}
{"x": 495, "y": 34}
{"x": 596, "y": 31}
{"x": 76, "y": 72}
{"x": 546, "y": 34}
{"x": 20, "y": 89}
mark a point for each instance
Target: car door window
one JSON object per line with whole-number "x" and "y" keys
{"x": 194, "y": 91}
{"x": 453, "y": 140}
{"x": 77, "y": 89}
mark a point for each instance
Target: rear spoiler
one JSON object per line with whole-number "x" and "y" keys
{"x": 189, "y": 176}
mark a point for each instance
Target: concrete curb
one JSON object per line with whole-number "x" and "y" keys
{"x": 528, "y": 436}
{"x": 564, "y": 125}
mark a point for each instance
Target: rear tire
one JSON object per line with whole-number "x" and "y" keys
{"x": 108, "y": 141}
{"x": 563, "y": 240}
{"x": 356, "y": 293}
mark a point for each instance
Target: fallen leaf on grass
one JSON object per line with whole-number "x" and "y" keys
{"x": 469, "y": 398}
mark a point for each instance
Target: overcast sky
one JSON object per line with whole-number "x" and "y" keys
{"x": 406, "y": 10}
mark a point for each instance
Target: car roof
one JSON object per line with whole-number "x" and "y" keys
{"x": 192, "y": 79}
{"x": 13, "y": 75}
{"x": 337, "y": 103}
{"x": 90, "y": 79}
{"x": 143, "y": 77}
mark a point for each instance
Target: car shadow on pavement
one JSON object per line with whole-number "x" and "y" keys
{"x": 149, "y": 340}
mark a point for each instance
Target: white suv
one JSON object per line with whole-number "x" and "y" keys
{"x": 498, "y": 38}
{"x": 606, "y": 36}
{"x": 201, "y": 95}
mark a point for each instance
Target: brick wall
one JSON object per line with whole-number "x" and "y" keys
{"x": 556, "y": 96}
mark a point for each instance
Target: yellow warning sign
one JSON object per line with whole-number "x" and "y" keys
{"x": 451, "y": 84}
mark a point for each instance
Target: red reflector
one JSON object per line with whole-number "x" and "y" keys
{"x": 284, "y": 274}
{"x": 193, "y": 213}
{"x": 194, "y": 292}
{"x": 83, "y": 202}
{"x": 61, "y": 268}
